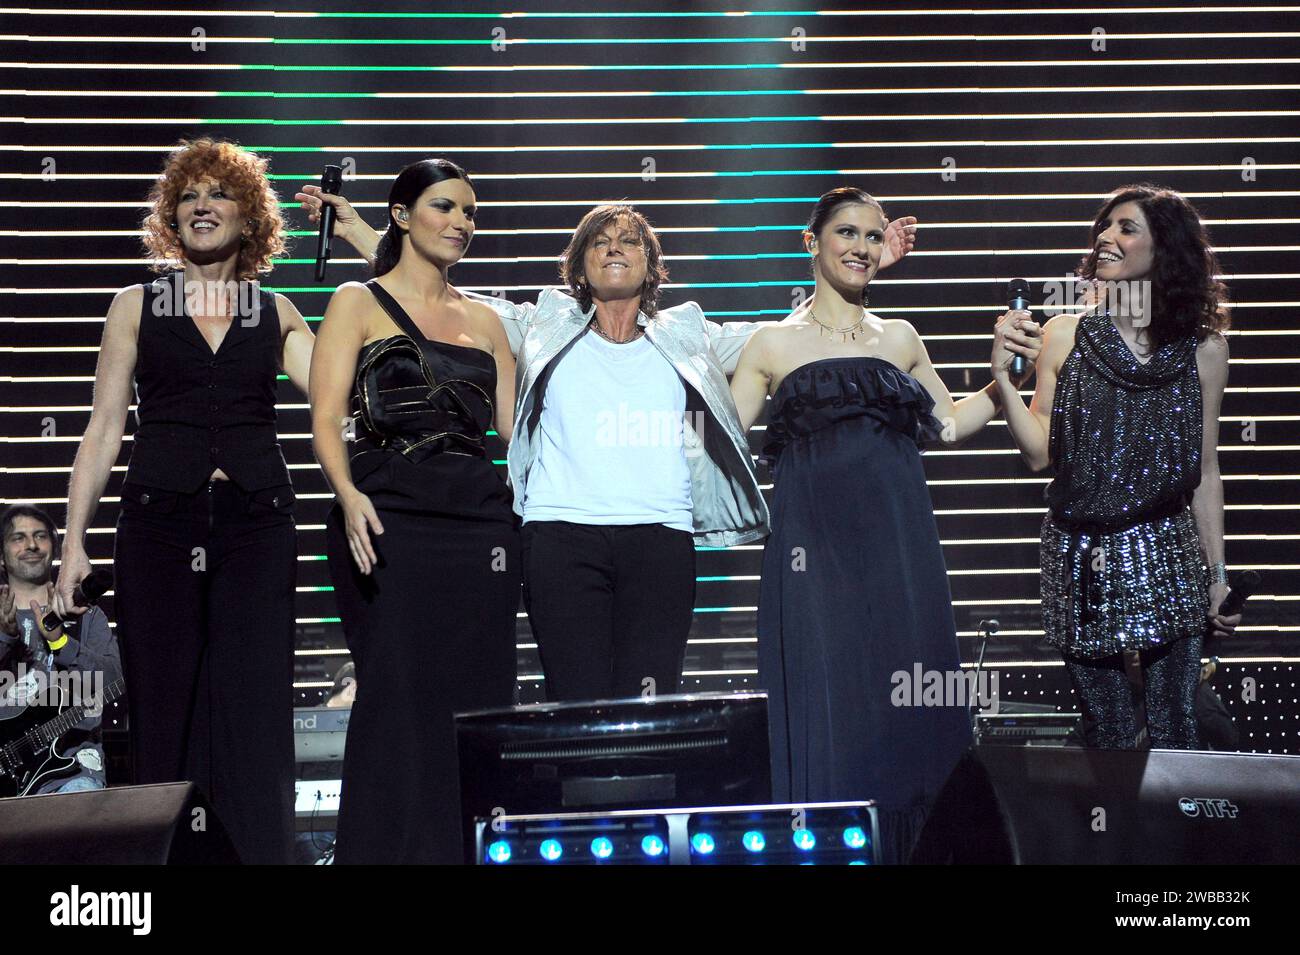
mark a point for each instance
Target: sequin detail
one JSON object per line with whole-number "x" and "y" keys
{"x": 1125, "y": 436}
{"x": 1146, "y": 586}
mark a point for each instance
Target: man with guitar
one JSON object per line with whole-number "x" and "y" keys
{"x": 44, "y": 746}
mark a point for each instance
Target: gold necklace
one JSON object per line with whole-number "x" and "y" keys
{"x": 595, "y": 325}
{"x": 851, "y": 331}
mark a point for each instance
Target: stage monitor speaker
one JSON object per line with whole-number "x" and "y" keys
{"x": 166, "y": 824}
{"x": 1036, "y": 805}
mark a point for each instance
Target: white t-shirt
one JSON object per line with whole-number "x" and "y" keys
{"x": 609, "y": 442}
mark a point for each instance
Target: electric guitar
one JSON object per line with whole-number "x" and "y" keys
{"x": 29, "y": 742}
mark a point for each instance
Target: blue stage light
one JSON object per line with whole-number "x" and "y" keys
{"x": 499, "y": 852}
{"x": 702, "y": 843}
{"x": 652, "y": 845}
{"x": 754, "y": 841}
{"x": 804, "y": 839}
{"x": 551, "y": 850}
{"x": 854, "y": 837}
{"x": 602, "y": 848}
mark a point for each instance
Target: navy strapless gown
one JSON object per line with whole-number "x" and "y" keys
{"x": 854, "y": 591}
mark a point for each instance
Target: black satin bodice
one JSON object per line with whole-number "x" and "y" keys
{"x": 823, "y": 393}
{"x": 421, "y": 410}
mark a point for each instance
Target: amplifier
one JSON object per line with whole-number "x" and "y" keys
{"x": 1024, "y": 729}
{"x": 320, "y": 733}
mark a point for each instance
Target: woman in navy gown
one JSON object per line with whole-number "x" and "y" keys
{"x": 855, "y": 592}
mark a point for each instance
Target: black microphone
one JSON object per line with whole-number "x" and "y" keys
{"x": 1018, "y": 301}
{"x": 330, "y": 182}
{"x": 93, "y": 586}
{"x": 1238, "y": 595}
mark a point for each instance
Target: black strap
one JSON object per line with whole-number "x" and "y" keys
{"x": 395, "y": 311}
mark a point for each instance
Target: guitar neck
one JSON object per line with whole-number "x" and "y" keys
{"x": 47, "y": 733}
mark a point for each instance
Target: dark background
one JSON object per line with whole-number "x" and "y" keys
{"x": 745, "y": 131}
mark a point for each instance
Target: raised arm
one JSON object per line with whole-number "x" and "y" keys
{"x": 296, "y": 340}
{"x": 348, "y": 224}
{"x": 102, "y": 441}
{"x": 1031, "y": 427}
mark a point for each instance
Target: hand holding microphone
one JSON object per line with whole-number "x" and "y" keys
{"x": 1017, "y": 333}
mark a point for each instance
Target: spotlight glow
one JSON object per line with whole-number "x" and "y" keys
{"x": 652, "y": 846}
{"x": 753, "y": 841}
{"x": 854, "y": 837}
{"x": 551, "y": 850}
{"x": 702, "y": 843}
{"x": 805, "y": 840}
{"x": 602, "y": 848}
{"x": 499, "y": 852}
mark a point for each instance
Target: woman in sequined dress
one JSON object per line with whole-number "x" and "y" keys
{"x": 854, "y": 588}
{"x": 1126, "y": 408}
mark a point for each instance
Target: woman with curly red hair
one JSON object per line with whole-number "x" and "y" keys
{"x": 1126, "y": 408}
{"x": 205, "y": 554}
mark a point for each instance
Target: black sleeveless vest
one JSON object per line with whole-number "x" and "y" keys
{"x": 198, "y": 411}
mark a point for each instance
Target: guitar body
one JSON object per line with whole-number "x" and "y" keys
{"x": 26, "y": 766}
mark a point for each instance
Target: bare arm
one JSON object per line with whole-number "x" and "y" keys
{"x": 333, "y": 372}
{"x": 752, "y": 380}
{"x": 501, "y": 354}
{"x": 1207, "y": 500}
{"x": 1031, "y": 427}
{"x": 102, "y": 441}
{"x": 296, "y": 343}
{"x": 963, "y": 418}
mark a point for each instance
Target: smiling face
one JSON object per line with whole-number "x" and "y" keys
{"x": 1124, "y": 248}
{"x": 209, "y": 222}
{"x": 615, "y": 263}
{"x": 440, "y": 223}
{"x": 847, "y": 250}
{"x": 29, "y": 551}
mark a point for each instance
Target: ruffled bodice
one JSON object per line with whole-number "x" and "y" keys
{"x": 824, "y": 393}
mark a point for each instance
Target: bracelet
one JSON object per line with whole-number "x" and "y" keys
{"x": 59, "y": 644}
{"x": 1219, "y": 573}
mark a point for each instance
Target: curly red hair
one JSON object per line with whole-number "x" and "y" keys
{"x": 243, "y": 174}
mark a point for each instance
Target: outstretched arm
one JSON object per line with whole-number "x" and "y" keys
{"x": 963, "y": 418}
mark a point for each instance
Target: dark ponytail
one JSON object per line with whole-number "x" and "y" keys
{"x": 410, "y": 183}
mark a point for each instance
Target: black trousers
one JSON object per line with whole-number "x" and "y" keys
{"x": 204, "y": 587}
{"x": 1170, "y": 675}
{"x": 610, "y": 606}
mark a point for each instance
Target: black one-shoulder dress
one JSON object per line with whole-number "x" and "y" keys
{"x": 432, "y": 627}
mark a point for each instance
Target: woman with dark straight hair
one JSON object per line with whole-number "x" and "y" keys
{"x": 1126, "y": 408}
{"x": 423, "y": 542}
{"x": 854, "y": 607}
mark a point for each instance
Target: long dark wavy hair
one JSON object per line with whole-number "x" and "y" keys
{"x": 830, "y": 202}
{"x": 1186, "y": 296}
{"x": 407, "y": 187}
{"x": 574, "y": 274}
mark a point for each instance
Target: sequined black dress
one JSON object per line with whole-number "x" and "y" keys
{"x": 432, "y": 627}
{"x": 854, "y": 605}
{"x": 1120, "y": 556}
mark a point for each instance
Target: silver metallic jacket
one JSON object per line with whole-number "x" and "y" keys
{"x": 727, "y": 504}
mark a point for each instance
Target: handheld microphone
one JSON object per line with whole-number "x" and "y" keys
{"x": 1018, "y": 301}
{"x": 330, "y": 182}
{"x": 1238, "y": 595}
{"x": 92, "y": 587}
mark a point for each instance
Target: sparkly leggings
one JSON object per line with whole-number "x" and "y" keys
{"x": 1170, "y": 674}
